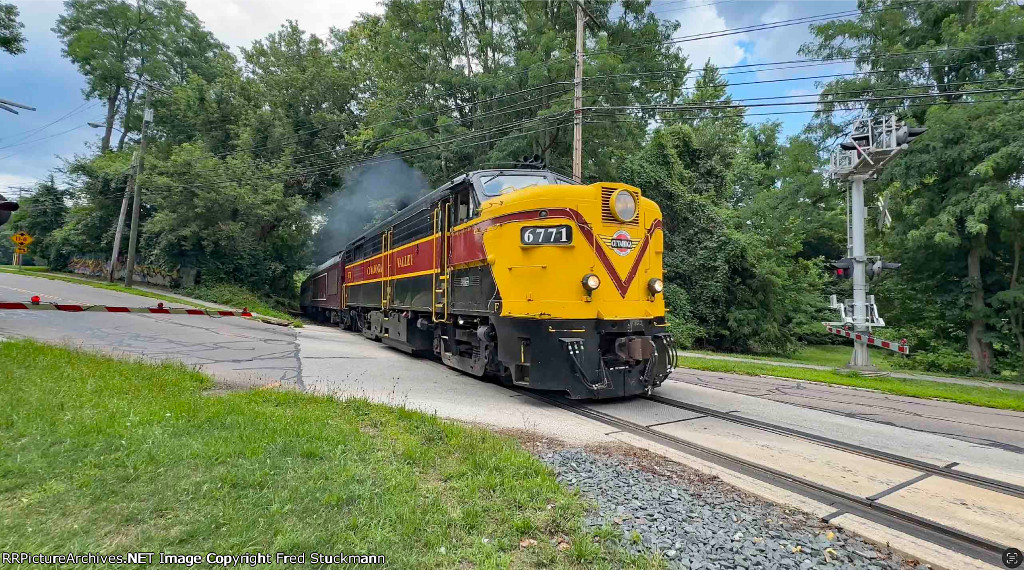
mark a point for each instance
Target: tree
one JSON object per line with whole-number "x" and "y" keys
{"x": 12, "y": 40}
{"x": 248, "y": 230}
{"x": 732, "y": 282}
{"x": 954, "y": 187}
{"x": 414, "y": 88}
{"x": 41, "y": 214}
{"x": 112, "y": 41}
{"x": 299, "y": 91}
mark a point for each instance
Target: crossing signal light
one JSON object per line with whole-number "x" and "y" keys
{"x": 906, "y": 135}
{"x": 844, "y": 268}
{"x": 875, "y": 269}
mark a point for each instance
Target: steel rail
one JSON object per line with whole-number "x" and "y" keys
{"x": 996, "y": 485}
{"x": 936, "y": 533}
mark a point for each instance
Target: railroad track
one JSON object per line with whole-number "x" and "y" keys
{"x": 944, "y": 471}
{"x": 954, "y": 539}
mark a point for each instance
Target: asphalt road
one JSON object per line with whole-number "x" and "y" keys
{"x": 237, "y": 350}
{"x": 327, "y": 360}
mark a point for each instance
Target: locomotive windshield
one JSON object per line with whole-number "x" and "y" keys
{"x": 501, "y": 183}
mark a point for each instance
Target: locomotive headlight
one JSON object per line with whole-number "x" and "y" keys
{"x": 591, "y": 282}
{"x": 656, "y": 286}
{"x": 624, "y": 205}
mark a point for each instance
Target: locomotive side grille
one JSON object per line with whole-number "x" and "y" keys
{"x": 606, "y": 208}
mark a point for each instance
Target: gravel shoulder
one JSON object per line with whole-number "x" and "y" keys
{"x": 696, "y": 521}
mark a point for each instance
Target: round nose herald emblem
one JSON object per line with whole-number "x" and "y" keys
{"x": 621, "y": 242}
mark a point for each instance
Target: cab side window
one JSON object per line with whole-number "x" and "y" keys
{"x": 463, "y": 207}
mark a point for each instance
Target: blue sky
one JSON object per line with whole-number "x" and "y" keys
{"x": 32, "y": 143}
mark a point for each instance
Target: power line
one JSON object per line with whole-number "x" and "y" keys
{"x": 812, "y": 62}
{"x": 39, "y": 140}
{"x": 658, "y": 108}
{"x": 863, "y": 91}
{"x": 695, "y": 37}
{"x": 752, "y": 28}
{"x": 354, "y": 161}
{"x": 634, "y": 118}
{"x": 818, "y": 61}
{"x": 733, "y": 31}
{"x": 376, "y": 159}
{"x": 520, "y": 106}
{"x": 526, "y": 70}
{"x": 530, "y": 89}
{"x": 671, "y": 10}
{"x": 687, "y": 106}
{"x": 662, "y": 107}
{"x": 29, "y": 132}
{"x": 401, "y": 154}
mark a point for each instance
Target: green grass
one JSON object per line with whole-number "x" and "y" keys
{"x": 964, "y": 394}
{"x": 837, "y": 356}
{"x": 25, "y": 268}
{"x": 235, "y": 296}
{"x": 821, "y": 355}
{"x": 123, "y": 456}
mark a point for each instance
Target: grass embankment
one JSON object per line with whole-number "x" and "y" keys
{"x": 837, "y": 356}
{"x": 834, "y": 356}
{"x": 235, "y": 296}
{"x": 229, "y": 295}
{"x": 965, "y": 394}
{"x": 115, "y": 456}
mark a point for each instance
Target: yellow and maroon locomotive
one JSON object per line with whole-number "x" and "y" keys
{"x": 519, "y": 273}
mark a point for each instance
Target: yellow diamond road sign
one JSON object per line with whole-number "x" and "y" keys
{"x": 21, "y": 249}
{"x": 22, "y": 239}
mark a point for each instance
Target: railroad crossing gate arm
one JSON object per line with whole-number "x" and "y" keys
{"x": 900, "y": 347}
{"x": 36, "y": 305}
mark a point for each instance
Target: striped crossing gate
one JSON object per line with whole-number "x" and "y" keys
{"x": 900, "y": 347}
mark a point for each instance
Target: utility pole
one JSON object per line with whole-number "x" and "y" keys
{"x": 22, "y": 190}
{"x": 577, "y": 102}
{"x": 120, "y": 218}
{"x": 133, "y": 240}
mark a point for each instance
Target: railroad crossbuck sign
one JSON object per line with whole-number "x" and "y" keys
{"x": 22, "y": 239}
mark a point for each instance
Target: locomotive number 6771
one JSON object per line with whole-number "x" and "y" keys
{"x": 517, "y": 273}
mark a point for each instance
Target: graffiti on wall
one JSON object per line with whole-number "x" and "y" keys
{"x": 142, "y": 274}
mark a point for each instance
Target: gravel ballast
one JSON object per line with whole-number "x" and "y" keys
{"x": 697, "y": 521}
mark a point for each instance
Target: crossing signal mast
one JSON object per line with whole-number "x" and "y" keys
{"x": 873, "y": 142}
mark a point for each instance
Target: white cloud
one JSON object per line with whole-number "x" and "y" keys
{"x": 9, "y": 181}
{"x": 239, "y": 22}
{"x": 722, "y": 51}
{"x": 782, "y": 44}
{"x": 801, "y": 92}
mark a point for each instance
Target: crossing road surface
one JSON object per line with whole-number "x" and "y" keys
{"x": 324, "y": 359}
{"x": 238, "y": 350}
